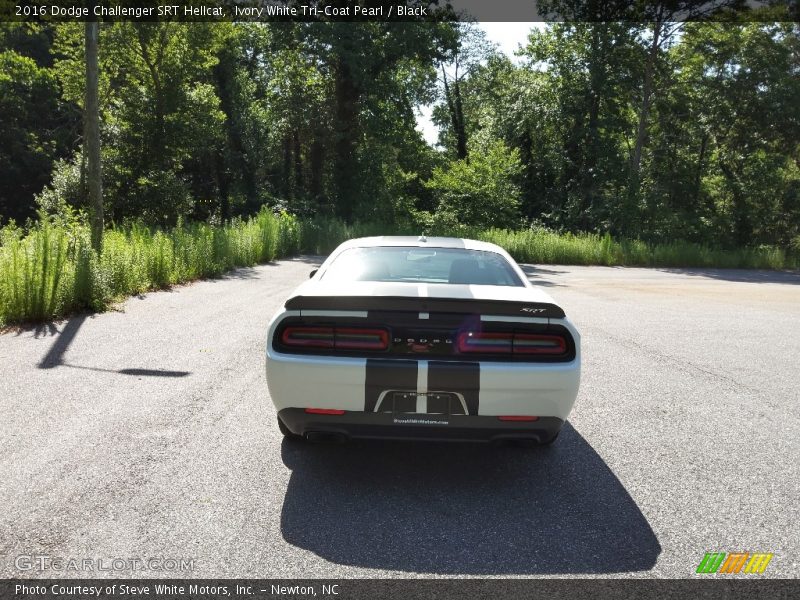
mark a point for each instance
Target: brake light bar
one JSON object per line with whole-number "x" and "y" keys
{"x": 308, "y": 337}
{"x": 528, "y": 343}
{"x": 511, "y": 343}
{"x": 343, "y": 338}
{"x": 518, "y": 418}
{"x": 361, "y": 339}
{"x": 476, "y": 341}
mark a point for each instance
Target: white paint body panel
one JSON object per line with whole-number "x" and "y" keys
{"x": 541, "y": 389}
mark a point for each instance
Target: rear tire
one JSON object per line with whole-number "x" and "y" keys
{"x": 286, "y": 432}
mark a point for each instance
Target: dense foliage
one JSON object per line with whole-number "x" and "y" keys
{"x": 656, "y": 131}
{"x": 224, "y": 145}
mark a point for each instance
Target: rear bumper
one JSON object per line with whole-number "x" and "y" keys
{"x": 476, "y": 428}
{"x": 355, "y": 384}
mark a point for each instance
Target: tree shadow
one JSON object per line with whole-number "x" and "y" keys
{"x": 133, "y": 372}
{"x": 311, "y": 259}
{"x": 39, "y": 330}
{"x": 241, "y": 273}
{"x": 63, "y": 339}
{"x": 740, "y": 275}
{"x": 535, "y": 274}
{"x": 464, "y": 509}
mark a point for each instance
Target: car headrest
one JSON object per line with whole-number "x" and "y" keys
{"x": 464, "y": 270}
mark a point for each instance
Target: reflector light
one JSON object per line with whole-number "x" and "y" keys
{"x": 324, "y": 411}
{"x": 518, "y": 418}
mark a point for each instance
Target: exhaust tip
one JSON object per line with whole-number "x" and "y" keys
{"x": 325, "y": 437}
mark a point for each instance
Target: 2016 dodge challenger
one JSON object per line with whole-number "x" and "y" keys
{"x": 422, "y": 338}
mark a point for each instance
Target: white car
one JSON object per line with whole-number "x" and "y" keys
{"x": 422, "y": 338}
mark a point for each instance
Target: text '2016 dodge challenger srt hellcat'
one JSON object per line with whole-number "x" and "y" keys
{"x": 422, "y": 338}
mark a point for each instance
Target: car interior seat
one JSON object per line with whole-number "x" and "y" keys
{"x": 464, "y": 271}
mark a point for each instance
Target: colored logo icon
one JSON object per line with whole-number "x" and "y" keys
{"x": 734, "y": 562}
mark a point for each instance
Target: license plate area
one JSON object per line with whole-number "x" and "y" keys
{"x": 429, "y": 403}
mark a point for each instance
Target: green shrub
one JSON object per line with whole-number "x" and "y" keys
{"x": 480, "y": 191}
{"x": 50, "y": 269}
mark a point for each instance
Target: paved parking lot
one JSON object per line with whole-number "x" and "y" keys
{"x": 147, "y": 432}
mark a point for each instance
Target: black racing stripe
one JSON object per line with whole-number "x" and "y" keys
{"x": 461, "y": 378}
{"x": 385, "y": 375}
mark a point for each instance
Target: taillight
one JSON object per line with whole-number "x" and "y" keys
{"x": 324, "y": 411}
{"x": 308, "y": 337}
{"x": 482, "y": 342}
{"x": 476, "y": 341}
{"x": 343, "y": 338}
{"x": 518, "y": 418}
{"x": 361, "y": 339}
{"x": 529, "y": 343}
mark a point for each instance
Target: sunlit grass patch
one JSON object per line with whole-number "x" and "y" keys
{"x": 49, "y": 270}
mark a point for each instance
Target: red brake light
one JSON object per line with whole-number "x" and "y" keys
{"x": 528, "y": 343}
{"x": 518, "y": 418}
{"x": 344, "y": 338}
{"x": 308, "y": 337}
{"x": 361, "y": 339}
{"x": 324, "y": 411}
{"x": 511, "y": 343}
{"x": 477, "y": 341}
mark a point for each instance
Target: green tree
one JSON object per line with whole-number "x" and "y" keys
{"x": 465, "y": 50}
{"x": 36, "y": 127}
{"x": 482, "y": 191}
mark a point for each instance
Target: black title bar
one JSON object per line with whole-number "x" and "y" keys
{"x": 400, "y": 10}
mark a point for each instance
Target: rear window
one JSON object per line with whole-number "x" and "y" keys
{"x": 422, "y": 265}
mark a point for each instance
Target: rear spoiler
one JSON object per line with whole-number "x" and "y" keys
{"x": 447, "y": 305}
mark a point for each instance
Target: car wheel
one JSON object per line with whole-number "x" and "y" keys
{"x": 286, "y": 432}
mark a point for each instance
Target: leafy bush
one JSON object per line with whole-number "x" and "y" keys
{"x": 480, "y": 191}
{"x": 66, "y": 188}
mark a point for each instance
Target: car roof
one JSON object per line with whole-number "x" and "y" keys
{"x": 421, "y": 242}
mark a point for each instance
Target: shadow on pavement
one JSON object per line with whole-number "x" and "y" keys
{"x": 311, "y": 259}
{"x": 61, "y": 343}
{"x": 741, "y": 275}
{"x": 63, "y": 340}
{"x": 464, "y": 509}
{"x": 535, "y": 274}
{"x": 153, "y": 373}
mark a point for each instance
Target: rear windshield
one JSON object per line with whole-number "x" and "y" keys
{"x": 422, "y": 265}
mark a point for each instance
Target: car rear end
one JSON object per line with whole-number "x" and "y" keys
{"x": 412, "y": 366}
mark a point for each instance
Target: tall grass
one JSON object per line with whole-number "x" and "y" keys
{"x": 542, "y": 246}
{"x": 50, "y": 270}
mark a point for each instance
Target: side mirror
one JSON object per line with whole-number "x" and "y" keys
{"x": 313, "y": 272}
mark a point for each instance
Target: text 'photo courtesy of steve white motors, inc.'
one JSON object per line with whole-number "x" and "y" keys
{"x": 189, "y": 589}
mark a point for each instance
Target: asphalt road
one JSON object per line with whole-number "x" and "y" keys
{"x": 147, "y": 432}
